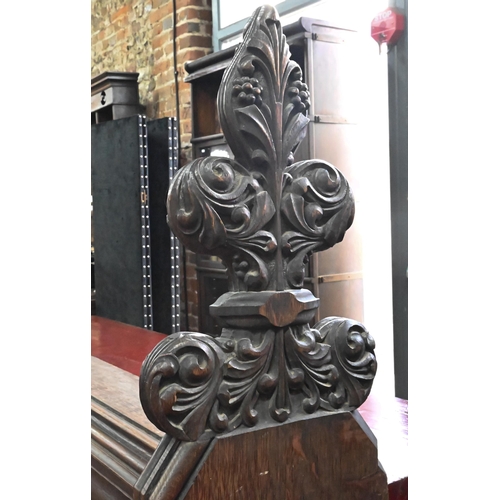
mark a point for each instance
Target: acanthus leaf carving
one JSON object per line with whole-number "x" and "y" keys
{"x": 263, "y": 96}
{"x": 318, "y": 207}
{"x": 263, "y": 215}
{"x": 192, "y": 381}
{"x": 179, "y": 383}
{"x": 216, "y": 206}
{"x": 353, "y": 354}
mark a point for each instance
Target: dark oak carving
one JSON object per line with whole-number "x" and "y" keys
{"x": 263, "y": 215}
{"x": 326, "y": 455}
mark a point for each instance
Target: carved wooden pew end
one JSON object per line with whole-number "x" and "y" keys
{"x": 268, "y": 409}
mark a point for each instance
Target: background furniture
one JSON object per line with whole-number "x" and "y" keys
{"x": 136, "y": 257}
{"x": 114, "y": 95}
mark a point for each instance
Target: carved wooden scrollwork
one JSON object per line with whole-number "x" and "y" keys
{"x": 220, "y": 208}
{"x": 263, "y": 215}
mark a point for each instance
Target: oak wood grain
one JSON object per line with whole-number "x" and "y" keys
{"x": 323, "y": 458}
{"x": 119, "y": 390}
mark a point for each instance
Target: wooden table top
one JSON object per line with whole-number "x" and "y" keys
{"x": 126, "y": 347}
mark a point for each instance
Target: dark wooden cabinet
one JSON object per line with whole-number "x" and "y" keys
{"x": 114, "y": 95}
{"x": 327, "y": 56}
{"x": 136, "y": 257}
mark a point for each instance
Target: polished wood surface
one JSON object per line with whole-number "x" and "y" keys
{"x": 125, "y": 347}
{"x": 388, "y": 419}
{"x": 122, "y": 438}
{"x": 122, "y": 345}
{"x": 266, "y": 464}
{"x": 119, "y": 389}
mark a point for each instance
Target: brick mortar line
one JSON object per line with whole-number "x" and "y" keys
{"x": 184, "y": 35}
{"x": 195, "y": 7}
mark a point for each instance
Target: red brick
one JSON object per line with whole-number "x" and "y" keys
{"x": 160, "y": 13}
{"x": 184, "y": 87}
{"x": 191, "y": 272}
{"x": 120, "y": 13}
{"x": 185, "y": 138}
{"x": 161, "y": 40}
{"x": 188, "y": 3}
{"x": 186, "y": 127}
{"x": 185, "y": 113}
{"x": 163, "y": 80}
{"x": 160, "y": 67}
{"x": 183, "y": 28}
{"x": 192, "y": 294}
{"x": 193, "y": 322}
{"x": 189, "y": 41}
{"x": 185, "y": 98}
{"x": 193, "y": 54}
{"x": 157, "y": 29}
{"x": 190, "y": 13}
{"x": 159, "y": 3}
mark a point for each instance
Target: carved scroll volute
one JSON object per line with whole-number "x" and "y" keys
{"x": 215, "y": 206}
{"x": 263, "y": 215}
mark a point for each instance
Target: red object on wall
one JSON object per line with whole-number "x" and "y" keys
{"x": 387, "y": 26}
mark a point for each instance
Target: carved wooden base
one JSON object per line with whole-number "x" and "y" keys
{"x": 328, "y": 457}
{"x": 321, "y": 458}
{"x": 120, "y": 429}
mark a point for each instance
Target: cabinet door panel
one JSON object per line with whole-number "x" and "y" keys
{"x": 342, "y": 298}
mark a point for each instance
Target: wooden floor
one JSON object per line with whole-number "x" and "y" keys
{"x": 118, "y": 351}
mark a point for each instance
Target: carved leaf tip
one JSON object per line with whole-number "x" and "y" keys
{"x": 260, "y": 76}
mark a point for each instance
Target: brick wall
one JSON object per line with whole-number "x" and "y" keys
{"x": 137, "y": 36}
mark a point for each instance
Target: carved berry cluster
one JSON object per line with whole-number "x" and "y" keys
{"x": 247, "y": 90}
{"x": 299, "y": 95}
{"x": 240, "y": 266}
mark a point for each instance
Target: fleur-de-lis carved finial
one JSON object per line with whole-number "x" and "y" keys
{"x": 263, "y": 215}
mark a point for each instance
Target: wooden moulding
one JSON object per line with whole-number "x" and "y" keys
{"x": 120, "y": 450}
